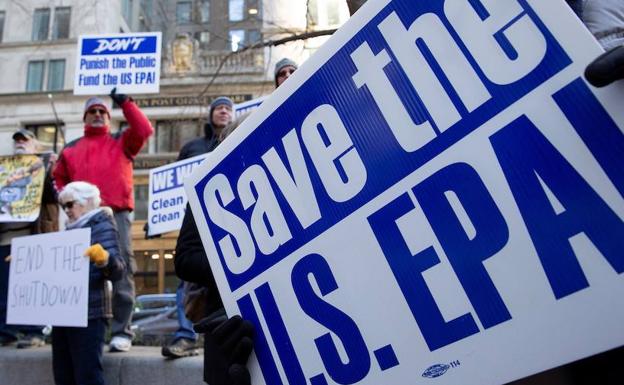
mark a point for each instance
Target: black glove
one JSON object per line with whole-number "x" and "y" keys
{"x": 227, "y": 346}
{"x": 606, "y": 68}
{"x": 119, "y": 99}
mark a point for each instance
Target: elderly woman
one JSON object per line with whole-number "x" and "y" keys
{"x": 77, "y": 352}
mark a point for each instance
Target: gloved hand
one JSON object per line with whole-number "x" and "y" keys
{"x": 606, "y": 68}
{"x": 119, "y": 99}
{"x": 227, "y": 346}
{"x": 97, "y": 255}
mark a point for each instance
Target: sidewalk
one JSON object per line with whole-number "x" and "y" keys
{"x": 141, "y": 365}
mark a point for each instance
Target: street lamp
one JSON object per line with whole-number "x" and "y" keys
{"x": 57, "y": 125}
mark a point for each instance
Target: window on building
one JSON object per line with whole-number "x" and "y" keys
{"x": 236, "y": 10}
{"x": 203, "y": 38}
{"x": 204, "y": 11}
{"x": 41, "y": 24}
{"x": 237, "y": 39}
{"x": 45, "y": 133}
{"x": 253, "y": 36}
{"x": 126, "y": 11}
{"x": 183, "y": 11}
{"x": 34, "y": 78}
{"x": 171, "y": 135}
{"x": 37, "y": 73}
{"x": 324, "y": 13}
{"x": 56, "y": 75}
{"x": 141, "y": 192}
{"x": 1, "y": 25}
{"x": 253, "y": 8}
{"x": 60, "y": 28}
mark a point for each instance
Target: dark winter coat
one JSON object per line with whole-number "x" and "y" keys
{"x": 191, "y": 263}
{"x": 104, "y": 232}
{"x": 201, "y": 145}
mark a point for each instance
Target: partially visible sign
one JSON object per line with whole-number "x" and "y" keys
{"x": 21, "y": 187}
{"x": 49, "y": 279}
{"x": 167, "y": 198}
{"x": 248, "y": 106}
{"x": 130, "y": 62}
{"x": 436, "y": 192}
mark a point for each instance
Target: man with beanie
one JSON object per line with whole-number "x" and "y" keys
{"x": 105, "y": 160}
{"x": 219, "y": 116}
{"x": 184, "y": 341}
{"x": 27, "y": 336}
{"x": 283, "y": 69}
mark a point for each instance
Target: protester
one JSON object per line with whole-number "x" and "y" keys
{"x": 184, "y": 342}
{"x": 227, "y": 342}
{"x": 283, "y": 69}
{"x": 77, "y": 352}
{"x": 24, "y": 142}
{"x": 105, "y": 160}
{"x": 219, "y": 115}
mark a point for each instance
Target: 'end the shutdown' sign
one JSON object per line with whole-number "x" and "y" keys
{"x": 436, "y": 192}
{"x": 130, "y": 62}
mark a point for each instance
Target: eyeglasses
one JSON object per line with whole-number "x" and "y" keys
{"x": 68, "y": 205}
{"x": 94, "y": 111}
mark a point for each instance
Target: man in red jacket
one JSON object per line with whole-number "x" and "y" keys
{"x": 105, "y": 160}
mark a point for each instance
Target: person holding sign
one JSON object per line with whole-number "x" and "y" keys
{"x": 24, "y": 143}
{"x": 77, "y": 352}
{"x": 105, "y": 160}
{"x": 220, "y": 115}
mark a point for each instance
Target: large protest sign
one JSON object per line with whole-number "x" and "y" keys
{"x": 49, "y": 279}
{"x": 130, "y": 62}
{"x": 167, "y": 198}
{"x": 436, "y": 192}
{"x": 21, "y": 187}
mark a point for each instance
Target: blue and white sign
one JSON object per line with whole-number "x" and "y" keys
{"x": 166, "y": 197}
{"x": 130, "y": 62}
{"x": 248, "y": 106}
{"x": 436, "y": 195}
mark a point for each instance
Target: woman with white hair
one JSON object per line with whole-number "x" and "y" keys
{"x": 77, "y": 352}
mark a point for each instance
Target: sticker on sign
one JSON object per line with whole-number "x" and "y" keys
{"x": 437, "y": 190}
{"x": 130, "y": 62}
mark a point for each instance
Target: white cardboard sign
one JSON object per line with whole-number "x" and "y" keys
{"x": 436, "y": 192}
{"x": 167, "y": 198}
{"x": 130, "y": 62}
{"x": 49, "y": 279}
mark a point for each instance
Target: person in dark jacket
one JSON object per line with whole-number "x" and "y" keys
{"x": 184, "y": 342}
{"x": 105, "y": 160}
{"x": 227, "y": 342}
{"x": 220, "y": 115}
{"x": 77, "y": 352}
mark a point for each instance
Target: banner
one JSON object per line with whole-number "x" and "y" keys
{"x": 49, "y": 279}
{"x": 130, "y": 62}
{"x": 167, "y": 198}
{"x": 435, "y": 195}
{"x": 21, "y": 187}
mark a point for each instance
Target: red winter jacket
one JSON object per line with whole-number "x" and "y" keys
{"x": 105, "y": 160}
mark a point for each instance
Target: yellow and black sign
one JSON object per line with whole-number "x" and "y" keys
{"x": 21, "y": 187}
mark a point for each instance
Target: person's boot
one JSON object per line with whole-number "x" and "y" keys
{"x": 180, "y": 348}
